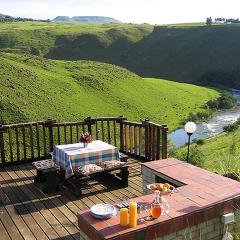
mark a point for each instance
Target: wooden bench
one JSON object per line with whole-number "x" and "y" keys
{"x": 123, "y": 157}
{"x": 121, "y": 176}
{"x": 47, "y": 173}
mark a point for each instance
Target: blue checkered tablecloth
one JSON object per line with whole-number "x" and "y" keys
{"x": 72, "y": 156}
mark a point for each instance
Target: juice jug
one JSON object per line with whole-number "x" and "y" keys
{"x": 156, "y": 208}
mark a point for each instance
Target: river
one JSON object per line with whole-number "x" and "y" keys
{"x": 211, "y": 128}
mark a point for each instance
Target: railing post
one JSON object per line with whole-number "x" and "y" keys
{"x": 48, "y": 124}
{"x": 145, "y": 124}
{"x": 2, "y": 148}
{"x": 120, "y": 121}
{"x": 88, "y": 121}
{"x": 164, "y": 141}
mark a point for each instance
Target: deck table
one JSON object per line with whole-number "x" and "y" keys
{"x": 72, "y": 156}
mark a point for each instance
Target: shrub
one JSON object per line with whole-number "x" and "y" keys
{"x": 238, "y": 121}
{"x": 213, "y": 104}
{"x": 35, "y": 51}
{"x": 196, "y": 156}
{"x": 199, "y": 116}
{"x": 199, "y": 141}
{"x": 229, "y": 164}
{"x": 225, "y": 101}
{"x": 231, "y": 127}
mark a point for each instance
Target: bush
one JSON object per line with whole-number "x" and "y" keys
{"x": 231, "y": 127}
{"x": 238, "y": 121}
{"x": 199, "y": 141}
{"x": 229, "y": 164}
{"x": 196, "y": 156}
{"x": 225, "y": 101}
{"x": 200, "y": 116}
{"x": 213, "y": 104}
{"x": 35, "y": 51}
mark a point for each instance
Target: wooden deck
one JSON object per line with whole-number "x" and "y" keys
{"x": 27, "y": 213}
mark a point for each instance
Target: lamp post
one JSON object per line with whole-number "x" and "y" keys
{"x": 190, "y": 128}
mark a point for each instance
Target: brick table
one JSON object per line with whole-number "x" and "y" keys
{"x": 196, "y": 209}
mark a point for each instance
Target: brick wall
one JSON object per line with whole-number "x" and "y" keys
{"x": 209, "y": 230}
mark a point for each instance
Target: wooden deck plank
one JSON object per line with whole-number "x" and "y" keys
{"x": 12, "y": 211}
{"x": 21, "y": 209}
{"x": 53, "y": 204}
{"x": 42, "y": 221}
{"x": 7, "y": 221}
{"x": 31, "y": 214}
{"x": 4, "y": 235}
{"x": 69, "y": 204}
{"x": 17, "y": 219}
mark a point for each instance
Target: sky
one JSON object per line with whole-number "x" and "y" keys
{"x": 134, "y": 11}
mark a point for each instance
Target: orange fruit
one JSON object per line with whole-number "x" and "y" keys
{"x": 165, "y": 189}
{"x": 159, "y": 187}
{"x": 153, "y": 187}
{"x": 167, "y": 185}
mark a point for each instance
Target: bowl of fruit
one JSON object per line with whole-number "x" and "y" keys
{"x": 164, "y": 188}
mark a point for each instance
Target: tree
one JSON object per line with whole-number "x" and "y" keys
{"x": 35, "y": 51}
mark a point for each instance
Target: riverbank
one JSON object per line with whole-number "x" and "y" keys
{"x": 219, "y": 151}
{"x": 209, "y": 128}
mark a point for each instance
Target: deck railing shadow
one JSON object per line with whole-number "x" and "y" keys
{"x": 26, "y": 205}
{"x": 9, "y": 181}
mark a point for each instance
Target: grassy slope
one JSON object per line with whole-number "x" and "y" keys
{"x": 222, "y": 148}
{"x": 183, "y": 52}
{"x": 69, "y": 38}
{"x": 34, "y": 88}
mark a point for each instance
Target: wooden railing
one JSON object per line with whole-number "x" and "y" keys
{"x": 35, "y": 140}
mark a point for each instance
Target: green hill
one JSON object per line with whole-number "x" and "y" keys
{"x": 62, "y": 19}
{"x": 85, "y": 19}
{"x": 192, "y": 53}
{"x": 33, "y": 88}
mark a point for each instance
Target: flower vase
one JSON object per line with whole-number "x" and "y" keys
{"x": 85, "y": 144}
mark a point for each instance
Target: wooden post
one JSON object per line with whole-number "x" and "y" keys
{"x": 2, "y": 148}
{"x": 164, "y": 141}
{"x": 120, "y": 121}
{"x": 158, "y": 144}
{"x": 88, "y": 121}
{"x": 145, "y": 124}
{"x": 48, "y": 124}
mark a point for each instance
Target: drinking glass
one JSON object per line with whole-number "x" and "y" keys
{"x": 165, "y": 206}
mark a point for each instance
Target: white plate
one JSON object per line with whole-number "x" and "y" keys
{"x": 103, "y": 210}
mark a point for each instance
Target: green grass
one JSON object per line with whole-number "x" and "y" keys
{"x": 222, "y": 148}
{"x": 33, "y": 88}
{"x": 178, "y": 52}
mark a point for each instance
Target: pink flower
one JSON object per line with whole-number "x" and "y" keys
{"x": 86, "y": 138}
